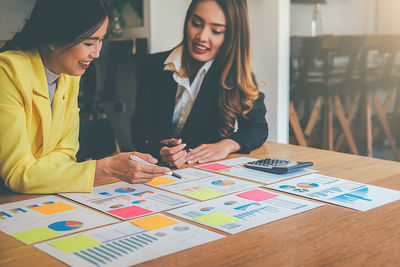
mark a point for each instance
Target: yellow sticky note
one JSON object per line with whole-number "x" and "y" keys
{"x": 204, "y": 194}
{"x": 36, "y": 235}
{"x": 74, "y": 243}
{"x": 49, "y": 209}
{"x": 216, "y": 219}
{"x": 160, "y": 180}
{"x": 154, "y": 222}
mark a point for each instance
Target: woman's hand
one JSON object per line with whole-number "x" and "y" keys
{"x": 211, "y": 152}
{"x": 121, "y": 167}
{"x": 173, "y": 153}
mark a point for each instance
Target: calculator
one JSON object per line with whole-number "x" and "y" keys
{"x": 277, "y": 166}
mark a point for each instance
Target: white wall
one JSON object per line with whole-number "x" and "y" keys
{"x": 166, "y": 23}
{"x": 269, "y": 27}
{"x": 388, "y": 16}
{"x": 12, "y": 16}
{"x": 339, "y": 17}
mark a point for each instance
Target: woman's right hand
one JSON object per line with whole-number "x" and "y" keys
{"x": 173, "y": 153}
{"x": 121, "y": 167}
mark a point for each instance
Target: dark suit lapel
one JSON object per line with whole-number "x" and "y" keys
{"x": 206, "y": 99}
{"x": 167, "y": 88}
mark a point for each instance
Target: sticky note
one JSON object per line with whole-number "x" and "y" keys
{"x": 49, "y": 209}
{"x": 160, "y": 180}
{"x": 216, "y": 219}
{"x": 36, "y": 235}
{"x": 74, "y": 243}
{"x": 154, "y": 222}
{"x": 214, "y": 166}
{"x": 204, "y": 194}
{"x": 130, "y": 212}
{"x": 256, "y": 195}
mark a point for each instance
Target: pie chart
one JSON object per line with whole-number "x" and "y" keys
{"x": 223, "y": 182}
{"x": 65, "y": 225}
{"x": 124, "y": 190}
{"x": 307, "y": 185}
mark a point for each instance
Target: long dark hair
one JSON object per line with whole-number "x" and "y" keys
{"x": 58, "y": 23}
{"x": 238, "y": 85}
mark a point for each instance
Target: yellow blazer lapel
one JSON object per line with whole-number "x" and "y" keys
{"x": 40, "y": 98}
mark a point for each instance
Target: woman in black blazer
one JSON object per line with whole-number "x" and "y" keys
{"x": 199, "y": 102}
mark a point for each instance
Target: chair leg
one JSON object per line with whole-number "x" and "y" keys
{"x": 382, "y": 118}
{"x": 314, "y": 116}
{"x": 345, "y": 125}
{"x": 330, "y": 123}
{"x": 386, "y": 107}
{"x": 352, "y": 114}
{"x": 368, "y": 125}
{"x": 396, "y": 113}
{"x": 294, "y": 122}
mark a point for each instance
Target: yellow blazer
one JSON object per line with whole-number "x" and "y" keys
{"x": 39, "y": 141}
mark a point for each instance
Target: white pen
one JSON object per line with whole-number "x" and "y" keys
{"x": 137, "y": 159}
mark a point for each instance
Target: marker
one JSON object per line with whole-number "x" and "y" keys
{"x": 137, "y": 159}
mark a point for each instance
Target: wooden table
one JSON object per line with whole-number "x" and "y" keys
{"x": 329, "y": 235}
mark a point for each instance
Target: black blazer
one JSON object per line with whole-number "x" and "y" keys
{"x": 155, "y": 103}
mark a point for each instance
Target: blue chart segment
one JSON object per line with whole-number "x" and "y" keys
{"x": 223, "y": 182}
{"x": 361, "y": 194}
{"x": 245, "y": 207}
{"x": 254, "y": 212}
{"x": 3, "y": 215}
{"x": 124, "y": 190}
{"x": 65, "y": 225}
{"x": 114, "y": 250}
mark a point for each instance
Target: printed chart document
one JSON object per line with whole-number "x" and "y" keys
{"x": 244, "y": 210}
{"x": 338, "y": 191}
{"x": 128, "y": 243}
{"x": 127, "y": 201}
{"x": 47, "y": 217}
{"x": 208, "y": 185}
{"x": 234, "y": 167}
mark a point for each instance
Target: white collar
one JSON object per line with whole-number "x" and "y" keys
{"x": 50, "y": 76}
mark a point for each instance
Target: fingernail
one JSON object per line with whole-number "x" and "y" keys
{"x": 190, "y": 162}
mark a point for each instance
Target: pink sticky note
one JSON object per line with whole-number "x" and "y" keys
{"x": 214, "y": 166}
{"x": 256, "y": 195}
{"x": 130, "y": 212}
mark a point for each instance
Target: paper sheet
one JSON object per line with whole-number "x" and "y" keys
{"x": 234, "y": 167}
{"x": 42, "y": 218}
{"x": 245, "y": 210}
{"x": 128, "y": 243}
{"x": 208, "y": 185}
{"x": 338, "y": 191}
{"x": 127, "y": 201}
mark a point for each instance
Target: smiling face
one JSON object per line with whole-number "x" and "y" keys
{"x": 76, "y": 59}
{"x": 206, "y": 31}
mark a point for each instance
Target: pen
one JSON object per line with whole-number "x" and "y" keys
{"x": 137, "y": 159}
{"x": 169, "y": 145}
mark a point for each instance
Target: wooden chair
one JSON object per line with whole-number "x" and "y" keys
{"x": 322, "y": 79}
{"x": 304, "y": 52}
{"x": 379, "y": 79}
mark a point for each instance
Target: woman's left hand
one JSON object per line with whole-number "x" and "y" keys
{"x": 211, "y": 152}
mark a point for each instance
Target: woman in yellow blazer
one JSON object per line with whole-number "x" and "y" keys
{"x": 40, "y": 70}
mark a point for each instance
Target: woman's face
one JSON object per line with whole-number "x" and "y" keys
{"x": 206, "y": 31}
{"x": 75, "y": 60}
